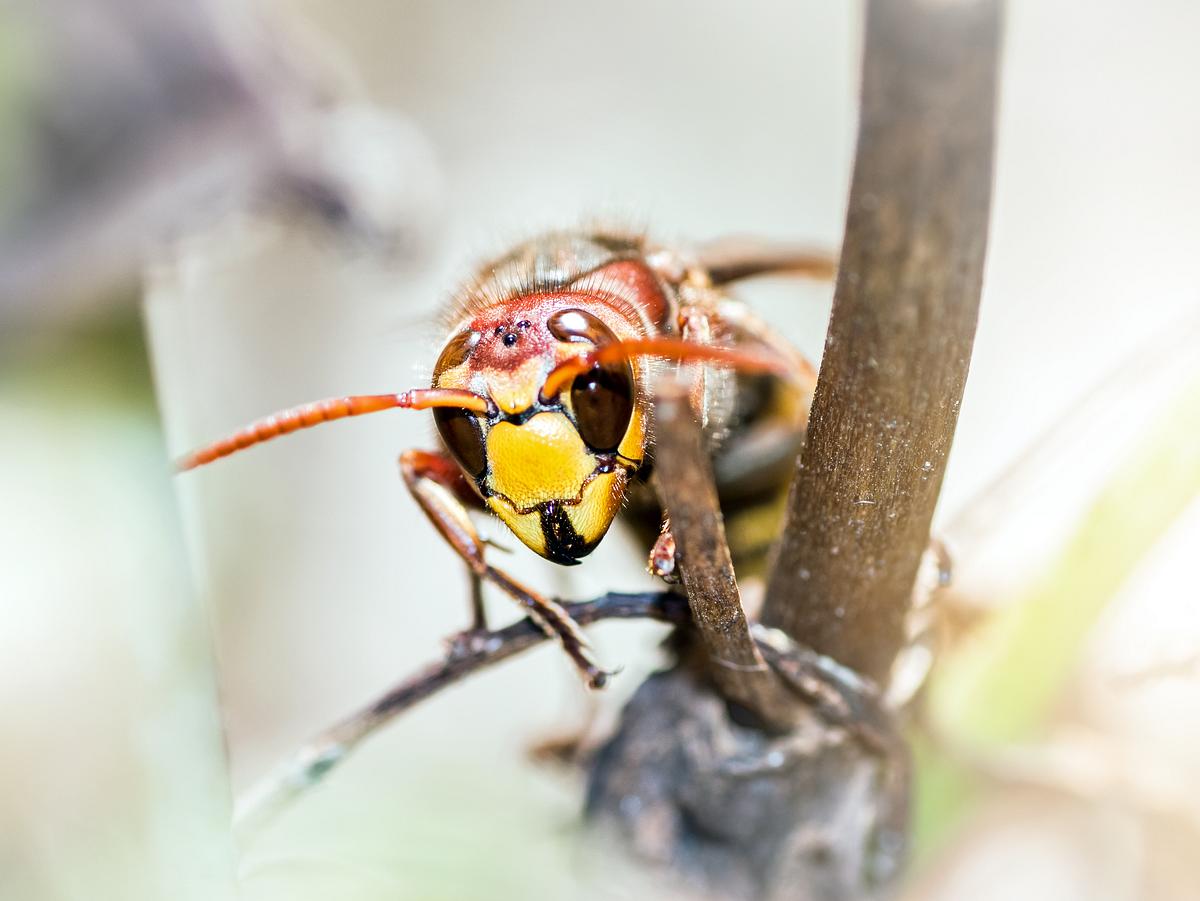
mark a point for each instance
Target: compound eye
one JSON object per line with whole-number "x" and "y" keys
{"x": 459, "y": 429}
{"x": 455, "y": 353}
{"x": 579, "y": 326}
{"x": 463, "y": 437}
{"x": 602, "y": 399}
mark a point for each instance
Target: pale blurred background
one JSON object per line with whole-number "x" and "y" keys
{"x": 297, "y": 581}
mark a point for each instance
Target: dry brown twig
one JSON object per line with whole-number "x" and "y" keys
{"x": 689, "y": 496}
{"x": 466, "y": 653}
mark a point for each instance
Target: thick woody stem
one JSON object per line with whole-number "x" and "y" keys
{"x": 900, "y": 335}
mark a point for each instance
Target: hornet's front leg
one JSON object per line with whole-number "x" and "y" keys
{"x": 439, "y": 487}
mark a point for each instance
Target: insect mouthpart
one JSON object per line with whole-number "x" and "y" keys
{"x": 549, "y": 487}
{"x": 564, "y": 545}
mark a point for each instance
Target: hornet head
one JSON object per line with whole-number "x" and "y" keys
{"x": 563, "y": 432}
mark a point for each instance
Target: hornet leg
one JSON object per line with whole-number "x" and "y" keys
{"x": 437, "y": 485}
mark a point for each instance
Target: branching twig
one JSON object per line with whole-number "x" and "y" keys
{"x": 467, "y": 653}
{"x": 841, "y": 698}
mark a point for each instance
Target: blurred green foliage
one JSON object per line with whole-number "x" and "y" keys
{"x": 20, "y": 74}
{"x": 1002, "y": 685}
{"x": 112, "y": 781}
{"x": 99, "y": 360}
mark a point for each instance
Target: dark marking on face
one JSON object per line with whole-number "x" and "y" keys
{"x": 563, "y": 544}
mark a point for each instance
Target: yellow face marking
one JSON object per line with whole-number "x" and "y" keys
{"x": 633, "y": 445}
{"x": 526, "y": 526}
{"x": 516, "y": 390}
{"x": 541, "y": 460}
{"x": 601, "y": 500}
